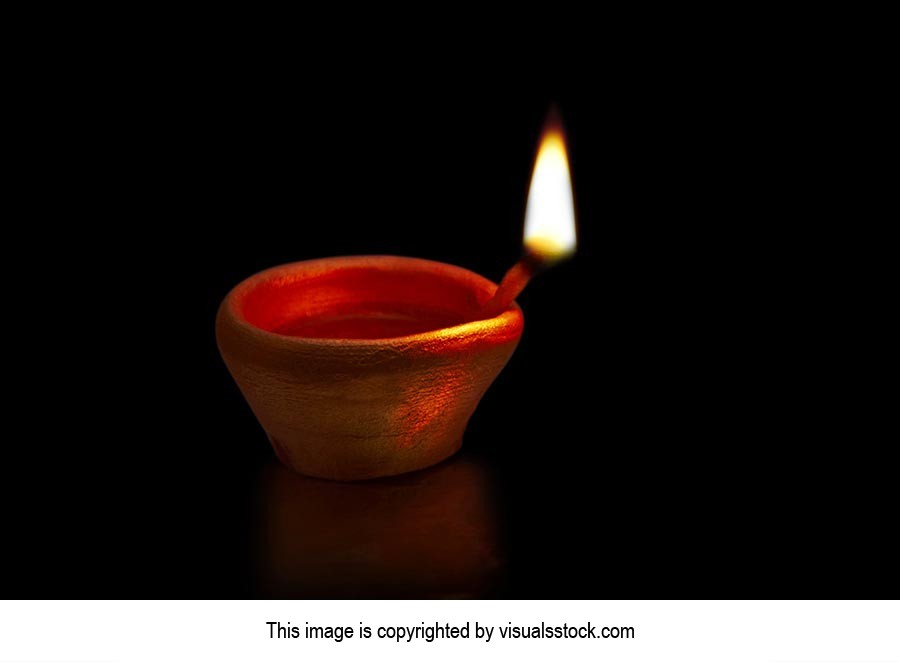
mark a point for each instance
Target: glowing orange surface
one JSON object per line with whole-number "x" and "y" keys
{"x": 362, "y": 321}
{"x": 364, "y": 366}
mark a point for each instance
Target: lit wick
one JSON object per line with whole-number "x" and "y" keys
{"x": 549, "y": 218}
{"x": 514, "y": 281}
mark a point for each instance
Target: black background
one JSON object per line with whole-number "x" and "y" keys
{"x": 670, "y": 425}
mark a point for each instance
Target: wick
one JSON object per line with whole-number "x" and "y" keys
{"x": 514, "y": 281}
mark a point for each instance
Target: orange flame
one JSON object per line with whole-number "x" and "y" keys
{"x": 550, "y": 211}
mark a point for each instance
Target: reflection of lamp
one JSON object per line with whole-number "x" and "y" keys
{"x": 428, "y": 534}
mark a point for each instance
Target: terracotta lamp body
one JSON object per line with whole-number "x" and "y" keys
{"x": 360, "y": 367}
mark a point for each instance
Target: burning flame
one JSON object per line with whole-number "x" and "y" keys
{"x": 550, "y": 211}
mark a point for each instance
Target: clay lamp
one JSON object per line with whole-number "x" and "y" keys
{"x": 360, "y": 367}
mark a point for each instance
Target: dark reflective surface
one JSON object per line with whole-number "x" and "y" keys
{"x": 433, "y": 533}
{"x": 675, "y": 423}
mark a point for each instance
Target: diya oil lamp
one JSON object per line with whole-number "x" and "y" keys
{"x": 361, "y": 367}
